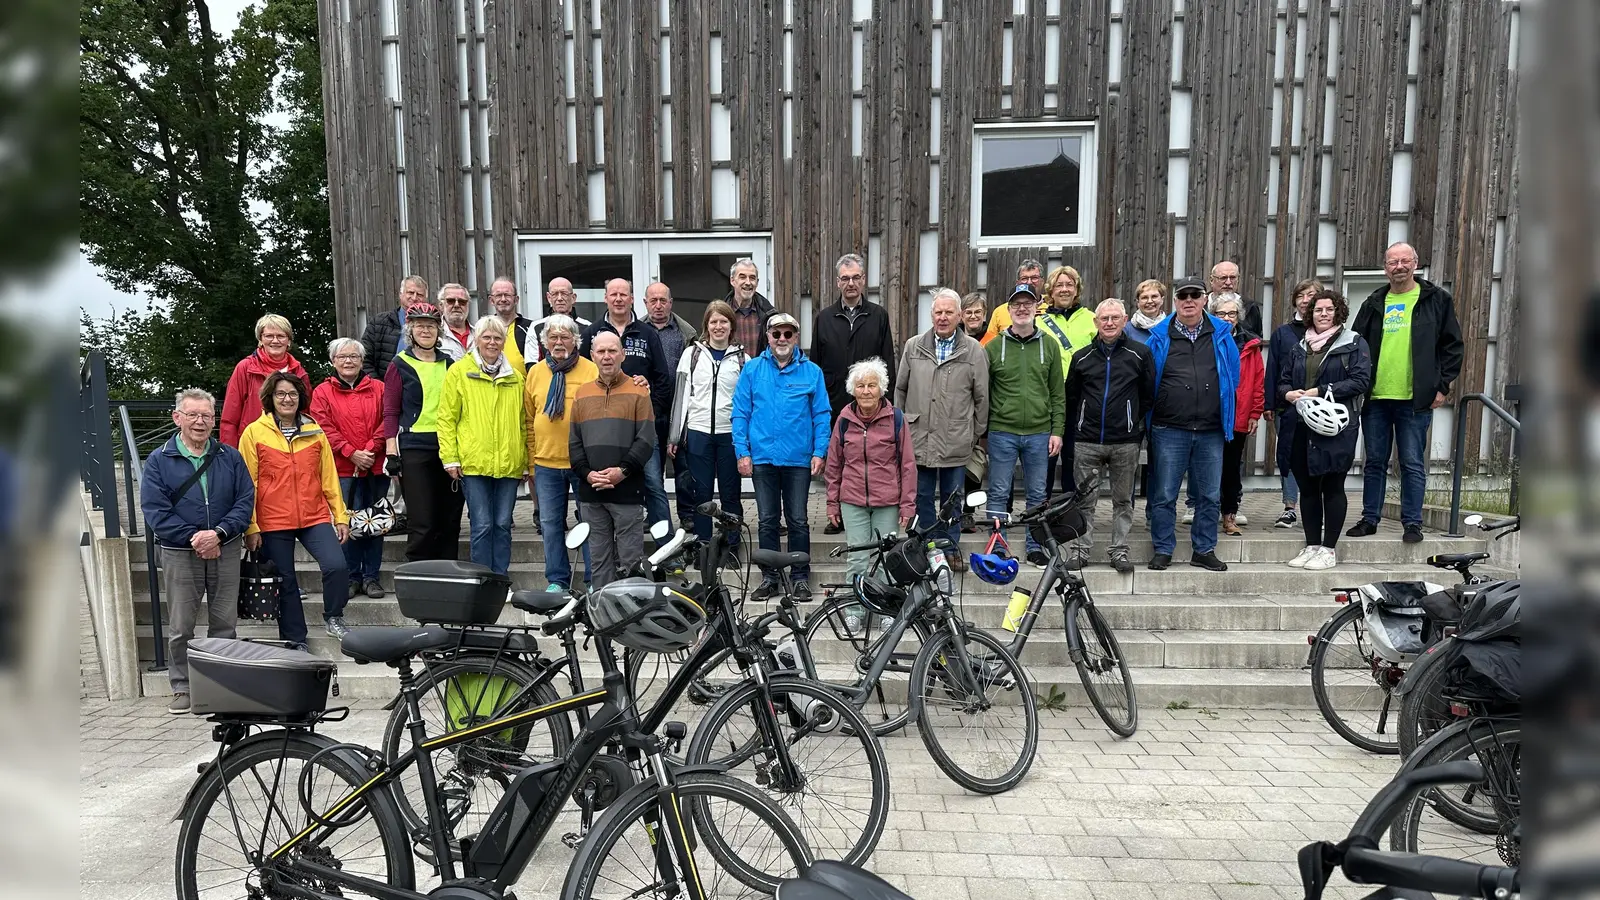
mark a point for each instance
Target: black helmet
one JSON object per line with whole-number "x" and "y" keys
{"x": 642, "y": 615}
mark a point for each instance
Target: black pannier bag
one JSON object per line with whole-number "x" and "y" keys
{"x": 450, "y": 592}
{"x": 1065, "y": 525}
{"x": 242, "y": 678}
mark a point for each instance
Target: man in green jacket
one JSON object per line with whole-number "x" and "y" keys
{"x": 1027, "y": 408}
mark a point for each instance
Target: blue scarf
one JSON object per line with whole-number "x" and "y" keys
{"x": 555, "y": 404}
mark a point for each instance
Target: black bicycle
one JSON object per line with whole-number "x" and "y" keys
{"x": 289, "y": 812}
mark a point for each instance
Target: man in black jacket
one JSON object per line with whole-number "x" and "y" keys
{"x": 750, "y": 309}
{"x": 384, "y": 335}
{"x": 1110, "y": 387}
{"x": 1411, "y": 327}
{"x": 646, "y": 362}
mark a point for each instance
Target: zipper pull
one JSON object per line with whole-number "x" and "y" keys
{"x": 335, "y": 689}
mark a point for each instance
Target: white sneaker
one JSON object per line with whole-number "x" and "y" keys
{"x": 1188, "y": 518}
{"x": 1324, "y": 559}
{"x": 1241, "y": 519}
{"x": 1305, "y": 556}
{"x": 852, "y": 625}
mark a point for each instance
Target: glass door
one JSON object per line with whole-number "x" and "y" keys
{"x": 588, "y": 264}
{"x": 697, "y": 268}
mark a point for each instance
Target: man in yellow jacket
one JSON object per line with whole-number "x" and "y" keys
{"x": 553, "y": 384}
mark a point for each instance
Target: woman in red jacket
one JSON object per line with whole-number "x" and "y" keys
{"x": 349, "y": 407}
{"x": 241, "y": 401}
{"x": 1249, "y": 403}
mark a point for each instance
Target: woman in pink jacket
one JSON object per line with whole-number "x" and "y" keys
{"x": 871, "y": 472}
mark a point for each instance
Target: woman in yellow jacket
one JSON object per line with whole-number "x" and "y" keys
{"x": 297, "y": 498}
{"x": 481, "y": 441}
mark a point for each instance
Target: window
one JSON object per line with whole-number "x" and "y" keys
{"x": 1033, "y": 184}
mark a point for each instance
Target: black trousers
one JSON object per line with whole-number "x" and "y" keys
{"x": 1063, "y": 462}
{"x": 1323, "y": 504}
{"x": 1233, "y": 472}
{"x": 433, "y": 507}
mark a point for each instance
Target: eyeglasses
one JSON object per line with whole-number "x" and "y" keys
{"x": 502, "y": 295}
{"x": 354, "y": 356}
{"x": 782, "y": 334}
{"x": 279, "y": 395}
{"x": 852, "y": 278}
{"x": 197, "y": 416}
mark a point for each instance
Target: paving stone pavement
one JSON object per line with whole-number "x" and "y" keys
{"x": 1199, "y": 804}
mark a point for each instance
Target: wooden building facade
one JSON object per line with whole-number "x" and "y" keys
{"x": 942, "y": 140}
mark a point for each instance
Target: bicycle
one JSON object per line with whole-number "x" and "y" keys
{"x": 689, "y": 830}
{"x": 1481, "y": 822}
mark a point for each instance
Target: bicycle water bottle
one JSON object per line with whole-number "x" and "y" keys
{"x": 1020, "y": 598}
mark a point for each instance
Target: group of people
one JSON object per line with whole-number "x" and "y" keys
{"x": 462, "y": 413}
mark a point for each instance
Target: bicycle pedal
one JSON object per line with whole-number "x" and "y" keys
{"x": 572, "y": 839}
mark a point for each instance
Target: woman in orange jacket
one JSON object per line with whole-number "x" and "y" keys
{"x": 297, "y": 498}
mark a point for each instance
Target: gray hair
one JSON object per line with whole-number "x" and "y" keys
{"x": 945, "y": 293}
{"x": 849, "y": 259}
{"x": 557, "y": 322}
{"x": 490, "y": 324}
{"x": 1228, "y": 299}
{"x": 1111, "y": 301}
{"x": 452, "y": 286}
{"x": 1029, "y": 264}
{"x": 193, "y": 393}
{"x": 337, "y": 344}
{"x": 871, "y": 366}
{"x": 743, "y": 262}
{"x": 417, "y": 280}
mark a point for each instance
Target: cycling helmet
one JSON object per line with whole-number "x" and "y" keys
{"x": 642, "y": 615}
{"x": 1324, "y": 416}
{"x": 877, "y": 595}
{"x": 995, "y": 564}
{"x": 424, "y": 310}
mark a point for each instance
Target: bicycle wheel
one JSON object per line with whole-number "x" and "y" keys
{"x": 1426, "y": 824}
{"x": 1423, "y": 709}
{"x": 1102, "y": 667}
{"x": 648, "y": 675}
{"x": 251, "y": 801}
{"x": 1353, "y": 685}
{"x": 840, "y": 796}
{"x": 472, "y": 776}
{"x": 741, "y": 844}
{"x": 834, "y": 646}
{"x": 975, "y": 711}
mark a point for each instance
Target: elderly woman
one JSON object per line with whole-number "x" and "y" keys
{"x": 412, "y": 389}
{"x": 552, "y": 383}
{"x": 1150, "y": 307}
{"x": 871, "y": 469}
{"x": 241, "y": 399}
{"x": 975, "y": 316}
{"x": 1333, "y": 362}
{"x": 702, "y": 413}
{"x": 349, "y": 407}
{"x": 297, "y": 499}
{"x": 1249, "y": 401}
{"x": 481, "y": 440}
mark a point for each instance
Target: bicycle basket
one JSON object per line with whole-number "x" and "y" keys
{"x": 906, "y": 562}
{"x": 1064, "y": 526}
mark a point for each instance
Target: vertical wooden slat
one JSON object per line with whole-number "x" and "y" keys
{"x": 632, "y": 114}
{"x": 1081, "y": 70}
{"x": 691, "y": 117}
{"x": 1027, "y": 62}
{"x": 1432, "y": 52}
{"x": 1136, "y": 204}
{"x": 583, "y": 90}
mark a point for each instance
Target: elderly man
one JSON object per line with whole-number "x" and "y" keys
{"x": 1109, "y": 390}
{"x": 750, "y": 309}
{"x": 1027, "y": 408}
{"x": 943, "y": 389}
{"x": 675, "y": 333}
{"x": 1225, "y": 280}
{"x": 1029, "y": 272}
{"x": 455, "y": 337}
{"x": 563, "y": 301}
{"x": 385, "y": 334}
{"x": 780, "y": 437}
{"x": 519, "y": 350}
{"x": 646, "y": 362}
{"x": 549, "y": 397}
{"x": 197, "y": 499}
{"x": 1196, "y": 365}
{"x": 1411, "y": 327}
{"x": 610, "y": 445}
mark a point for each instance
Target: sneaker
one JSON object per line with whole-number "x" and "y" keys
{"x": 1187, "y": 518}
{"x": 1241, "y": 518}
{"x": 1362, "y": 528}
{"x": 373, "y": 589}
{"x": 1304, "y": 556}
{"x": 302, "y": 646}
{"x": 852, "y": 624}
{"x": 336, "y": 627}
{"x": 765, "y": 592}
{"x": 1038, "y": 558}
{"x": 885, "y": 623}
{"x": 1077, "y": 561}
{"x": 1159, "y": 562}
{"x": 179, "y": 704}
{"x": 1288, "y": 519}
{"x": 1208, "y": 561}
{"x": 1324, "y": 558}
{"x": 1121, "y": 562}
{"x": 802, "y": 592}
{"x": 1230, "y": 525}
{"x": 833, "y": 529}
{"x": 1413, "y": 534}
{"x": 553, "y": 588}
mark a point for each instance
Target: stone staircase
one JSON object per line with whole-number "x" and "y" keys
{"x": 1229, "y": 639}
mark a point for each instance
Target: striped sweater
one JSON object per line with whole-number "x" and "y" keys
{"x": 612, "y": 426}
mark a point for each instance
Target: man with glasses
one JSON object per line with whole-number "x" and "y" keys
{"x": 1027, "y": 409}
{"x": 455, "y": 338}
{"x": 780, "y": 436}
{"x": 563, "y": 301}
{"x": 1417, "y": 349}
{"x": 1029, "y": 272}
{"x": 385, "y": 334}
{"x": 1225, "y": 280}
{"x": 197, "y": 499}
{"x": 518, "y": 350}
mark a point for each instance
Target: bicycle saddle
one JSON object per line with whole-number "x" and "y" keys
{"x": 1451, "y": 560}
{"x": 540, "y": 603}
{"x": 384, "y": 643}
{"x": 829, "y": 880}
{"x": 777, "y": 559}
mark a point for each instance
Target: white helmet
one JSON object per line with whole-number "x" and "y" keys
{"x": 1325, "y": 417}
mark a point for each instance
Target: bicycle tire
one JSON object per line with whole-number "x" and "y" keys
{"x": 834, "y": 824}
{"x": 648, "y": 675}
{"x": 1096, "y": 658}
{"x": 237, "y": 826}
{"x": 998, "y": 673}
{"x": 1415, "y": 831}
{"x": 1361, "y": 683}
{"x": 1423, "y": 709}
{"x": 885, "y": 716}
{"x": 483, "y": 766}
{"x": 709, "y": 801}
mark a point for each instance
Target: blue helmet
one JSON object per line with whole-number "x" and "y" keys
{"x": 993, "y": 567}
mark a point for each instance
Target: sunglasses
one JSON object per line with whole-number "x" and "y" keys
{"x": 782, "y": 334}
{"x": 1191, "y": 295}
{"x": 455, "y": 303}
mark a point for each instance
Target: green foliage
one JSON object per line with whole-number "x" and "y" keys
{"x": 1053, "y": 699}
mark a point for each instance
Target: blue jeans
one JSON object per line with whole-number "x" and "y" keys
{"x": 489, "y": 503}
{"x": 1199, "y": 454}
{"x": 711, "y": 455}
{"x": 781, "y": 491}
{"x": 363, "y": 556}
{"x": 655, "y": 492}
{"x": 1004, "y": 451}
{"x": 323, "y": 544}
{"x": 934, "y": 487}
{"x": 1291, "y": 490}
{"x": 1385, "y": 423}
{"x": 551, "y": 487}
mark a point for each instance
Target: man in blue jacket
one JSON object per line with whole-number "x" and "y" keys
{"x": 197, "y": 499}
{"x": 1196, "y": 366}
{"x": 779, "y": 393}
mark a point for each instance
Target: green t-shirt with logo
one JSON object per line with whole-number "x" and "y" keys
{"x": 1392, "y": 381}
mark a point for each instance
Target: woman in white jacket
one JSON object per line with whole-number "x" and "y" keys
{"x": 702, "y": 410}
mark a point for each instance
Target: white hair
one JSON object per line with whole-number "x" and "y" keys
{"x": 337, "y": 344}
{"x": 945, "y": 293}
{"x": 1111, "y": 301}
{"x": 872, "y": 366}
{"x": 557, "y": 322}
{"x": 1228, "y": 299}
{"x": 849, "y": 259}
{"x": 193, "y": 393}
{"x": 491, "y": 324}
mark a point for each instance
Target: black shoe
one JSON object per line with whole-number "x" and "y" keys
{"x": 1121, "y": 562}
{"x": 833, "y": 529}
{"x": 1363, "y": 528}
{"x": 802, "y": 592}
{"x": 373, "y": 589}
{"x": 1159, "y": 562}
{"x": 1039, "y": 558}
{"x": 1209, "y": 562}
{"x": 1413, "y": 534}
{"x": 765, "y": 592}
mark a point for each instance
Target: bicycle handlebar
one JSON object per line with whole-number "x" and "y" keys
{"x": 725, "y": 520}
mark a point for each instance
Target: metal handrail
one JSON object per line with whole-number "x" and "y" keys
{"x": 132, "y": 477}
{"x": 1459, "y": 451}
{"x": 96, "y": 467}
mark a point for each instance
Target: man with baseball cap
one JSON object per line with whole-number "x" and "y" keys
{"x": 1027, "y": 408}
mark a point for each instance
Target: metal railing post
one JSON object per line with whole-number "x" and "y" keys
{"x": 1459, "y": 451}
{"x": 97, "y": 440}
{"x": 131, "y": 464}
